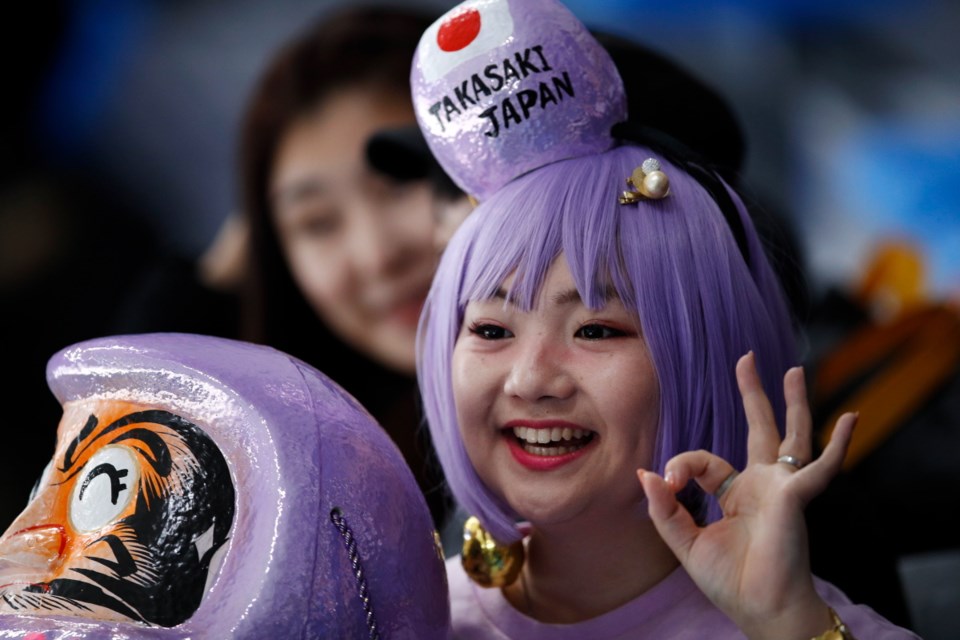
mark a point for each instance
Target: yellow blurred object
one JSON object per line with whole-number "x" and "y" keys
{"x": 904, "y": 363}
{"x": 890, "y": 368}
{"x": 895, "y": 280}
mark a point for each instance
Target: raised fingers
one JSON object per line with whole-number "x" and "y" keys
{"x": 672, "y": 521}
{"x": 797, "y": 439}
{"x": 706, "y": 469}
{"x": 763, "y": 440}
{"x": 817, "y": 475}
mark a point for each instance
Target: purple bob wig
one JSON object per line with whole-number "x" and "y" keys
{"x": 701, "y": 302}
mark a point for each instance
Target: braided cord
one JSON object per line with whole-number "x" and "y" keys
{"x": 336, "y": 516}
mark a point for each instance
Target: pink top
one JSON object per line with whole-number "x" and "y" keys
{"x": 674, "y": 609}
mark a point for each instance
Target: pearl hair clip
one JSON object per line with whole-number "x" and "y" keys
{"x": 648, "y": 181}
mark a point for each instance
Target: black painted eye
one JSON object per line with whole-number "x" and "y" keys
{"x": 104, "y": 488}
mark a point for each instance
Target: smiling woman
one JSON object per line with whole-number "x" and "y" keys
{"x": 342, "y": 255}
{"x": 578, "y": 336}
{"x": 358, "y": 245}
{"x": 561, "y": 388}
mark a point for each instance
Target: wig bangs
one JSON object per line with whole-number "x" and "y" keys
{"x": 528, "y": 224}
{"x": 699, "y": 303}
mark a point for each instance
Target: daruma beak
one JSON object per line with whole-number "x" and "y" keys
{"x": 31, "y": 550}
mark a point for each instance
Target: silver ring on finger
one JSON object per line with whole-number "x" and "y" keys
{"x": 722, "y": 489}
{"x": 791, "y": 460}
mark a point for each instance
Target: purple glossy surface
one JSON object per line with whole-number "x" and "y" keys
{"x": 540, "y": 40}
{"x": 297, "y": 446}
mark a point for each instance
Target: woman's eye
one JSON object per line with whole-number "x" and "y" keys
{"x": 320, "y": 225}
{"x": 598, "y": 332}
{"x": 490, "y": 331}
{"x": 383, "y": 187}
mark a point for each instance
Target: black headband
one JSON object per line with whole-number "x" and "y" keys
{"x": 694, "y": 164}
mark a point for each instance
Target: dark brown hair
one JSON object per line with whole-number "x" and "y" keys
{"x": 368, "y": 46}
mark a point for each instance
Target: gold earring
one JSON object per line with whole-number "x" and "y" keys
{"x": 648, "y": 181}
{"x": 488, "y": 563}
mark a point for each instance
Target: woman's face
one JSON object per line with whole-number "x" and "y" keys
{"x": 558, "y": 406}
{"x": 359, "y": 245}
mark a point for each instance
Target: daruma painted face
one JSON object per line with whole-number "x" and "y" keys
{"x": 126, "y": 521}
{"x": 203, "y": 487}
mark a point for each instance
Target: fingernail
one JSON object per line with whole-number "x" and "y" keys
{"x": 670, "y": 478}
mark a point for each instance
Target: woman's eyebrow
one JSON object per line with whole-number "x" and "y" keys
{"x": 296, "y": 191}
{"x": 572, "y": 296}
{"x": 569, "y": 296}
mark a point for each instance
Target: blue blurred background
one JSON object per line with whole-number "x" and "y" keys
{"x": 852, "y": 109}
{"x": 119, "y": 130}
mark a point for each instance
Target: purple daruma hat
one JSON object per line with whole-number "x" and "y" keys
{"x": 503, "y": 87}
{"x": 202, "y": 487}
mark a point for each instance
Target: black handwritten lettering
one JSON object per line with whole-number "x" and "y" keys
{"x": 479, "y": 86}
{"x": 527, "y": 98}
{"x": 546, "y": 96}
{"x": 545, "y": 66}
{"x": 462, "y": 97}
{"x": 451, "y": 108}
{"x": 523, "y": 61}
{"x": 563, "y": 86}
{"x": 509, "y": 71}
{"x": 490, "y": 71}
{"x": 435, "y": 110}
{"x": 492, "y": 114}
{"x": 514, "y": 109}
{"x": 510, "y": 113}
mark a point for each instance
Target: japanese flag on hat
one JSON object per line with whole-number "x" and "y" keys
{"x": 503, "y": 87}
{"x": 468, "y": 31}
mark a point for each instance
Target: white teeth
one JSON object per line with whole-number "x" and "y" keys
{"x": 546, "y": 436}
{"x": 549, "y": 451}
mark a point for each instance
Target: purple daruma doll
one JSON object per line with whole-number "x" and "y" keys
{"x": 510, "y": 86}
{"x": 207, "y": 488}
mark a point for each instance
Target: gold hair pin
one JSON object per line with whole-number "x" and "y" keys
{"x": 648, "y": 182}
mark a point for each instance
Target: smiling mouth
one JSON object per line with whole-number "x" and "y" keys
{"x": 555, "y": 441}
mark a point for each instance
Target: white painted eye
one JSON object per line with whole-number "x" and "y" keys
{"x": 104, "y": 488}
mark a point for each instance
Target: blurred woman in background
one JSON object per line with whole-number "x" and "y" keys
{"x": 341, "y": 254}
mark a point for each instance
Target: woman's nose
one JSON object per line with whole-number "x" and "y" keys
{"x": 29, "y": 551}
{"x": 375, "y": 250}
{"x": 539, "y": 372}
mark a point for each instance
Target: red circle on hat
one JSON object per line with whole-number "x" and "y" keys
{"x": 459, "y": 30}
